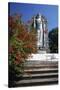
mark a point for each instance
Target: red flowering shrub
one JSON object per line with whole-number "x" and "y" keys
{"x": 21, "y": 42}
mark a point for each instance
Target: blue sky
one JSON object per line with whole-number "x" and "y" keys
{"x": 29, "y": 10}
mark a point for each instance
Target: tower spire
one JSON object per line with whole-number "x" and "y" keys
{"x": 40, "y": 23}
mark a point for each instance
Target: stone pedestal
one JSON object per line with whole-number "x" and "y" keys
{"x": 43, "y": 57}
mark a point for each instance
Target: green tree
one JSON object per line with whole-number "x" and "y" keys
{"x": 53, "y": 40}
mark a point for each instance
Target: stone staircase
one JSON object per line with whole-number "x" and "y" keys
{"x": 39, "y": 73}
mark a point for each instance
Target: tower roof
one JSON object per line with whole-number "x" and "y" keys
{"x": 38, "y": 15}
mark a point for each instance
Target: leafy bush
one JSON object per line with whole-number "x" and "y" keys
{"x": 21, "y": 44}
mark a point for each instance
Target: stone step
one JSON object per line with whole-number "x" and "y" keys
{"x": 37, "y": 76}
{"x": 31, "y": 63}
{"x": 42, "y": 61}
{"x": 40, "y": 69}
{"x": 40, "y": 66}
{"x": 36, "y": 84}
{"x": 38, "y": 73}
{"x": 36, "y": 81}
{"x": 41, "y": 74}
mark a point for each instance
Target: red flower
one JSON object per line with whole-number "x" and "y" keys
{"x": 11, "y": 49}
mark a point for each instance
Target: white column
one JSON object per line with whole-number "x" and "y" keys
{"x": 46, "y": 41}
{"x": 45, "y": 35}
{"x": 34, "y": 23}
{"x": 38, "y": 38}
{"x": 41, "y": 35}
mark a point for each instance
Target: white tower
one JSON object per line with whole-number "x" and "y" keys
{"x": 40, "y": 23}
